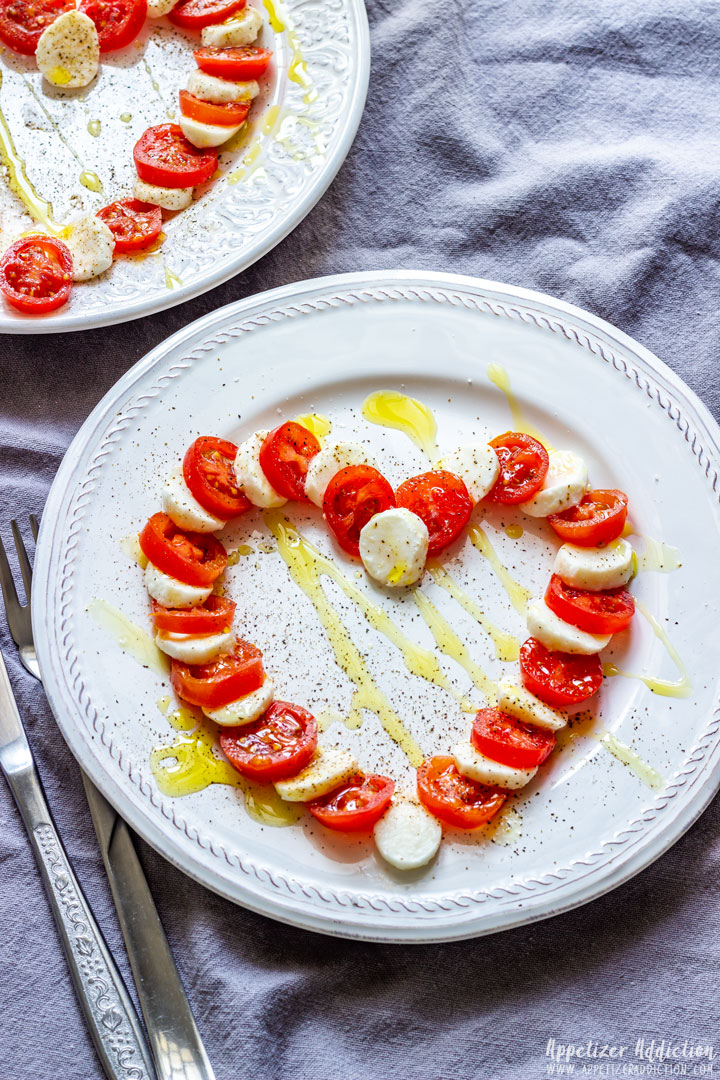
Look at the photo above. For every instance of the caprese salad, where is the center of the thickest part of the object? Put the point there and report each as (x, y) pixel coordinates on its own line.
(392, 532)
(37, 271)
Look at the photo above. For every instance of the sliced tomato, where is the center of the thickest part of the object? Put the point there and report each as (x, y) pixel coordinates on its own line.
(356, 805)
(276, 746)
(597, 519)
(524, 464)
(509, 741)
(194, 14)
(441, 500)
(208, 469)
(134, 224)
(453, 798)
(285, 456)
(36, 274)
(238, 63)
(23, 21)
(194, 558)
(164, 157)
(207, 112)
(559, 678)
(118, 22)
(354, 495)
(606, 612)
(212, 617)
(214, 685)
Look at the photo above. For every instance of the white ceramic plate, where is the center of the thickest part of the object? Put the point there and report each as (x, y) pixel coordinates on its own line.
(588, 822)
(298, 135)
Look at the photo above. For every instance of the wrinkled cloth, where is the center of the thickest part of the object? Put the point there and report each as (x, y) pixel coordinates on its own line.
(570, 146)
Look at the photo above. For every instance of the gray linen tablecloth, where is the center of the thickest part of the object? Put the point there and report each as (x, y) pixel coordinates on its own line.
(566, 145)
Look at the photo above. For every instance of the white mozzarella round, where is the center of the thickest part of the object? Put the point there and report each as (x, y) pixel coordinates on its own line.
(195, 648)
(407, 836)
(329, 768)
(180, 504)
(68, 50)
(250, 476)
(157, 8)
(91, 244)
(330, 461)
(518, 702)
(393, 547)
(471, 763)
(172, 593)
(245, 709)
(563, 487)
(168, 198)
(595, 569)
(241, 29)
(220, 91)
(477, 465)
(200, 134)
(558, 635)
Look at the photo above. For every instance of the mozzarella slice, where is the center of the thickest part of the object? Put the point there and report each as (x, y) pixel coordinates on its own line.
(195, 648)
(172, 593)
(157, 8)
(407, 836)
(180, 504)
(91, 245)
(329, 461)
(393, 547)
(564, 485)
(477, 465)
(245, 709)
(250, 476)
(220, 91)
(558, 635)
(241, 29)
(595, 568)
(471, 763)
(327, 770)
(168, 198)
(68, 50)
(518, 702)
(207, 134)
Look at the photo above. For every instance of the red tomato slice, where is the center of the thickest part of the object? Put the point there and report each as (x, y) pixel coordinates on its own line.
(118, 22)
(36, 274)
(194, 14)
(509, 741)
(597, 519)
(453, 798)
(356, 805)
(195, 558)
(134, 224)
(353, 496)
(212, 617)
(523, 467)
(285, 456)
(22, 22)
(278, 745)
(230, 677)
(239, 63)
(559, 678)
(606, 612)
(207, 112)
(208, 469)
(441, 500)
(164, 157)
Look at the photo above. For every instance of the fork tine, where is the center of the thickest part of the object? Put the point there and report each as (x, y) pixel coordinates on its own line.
(12, 604)
(25, 567)
(34, 526)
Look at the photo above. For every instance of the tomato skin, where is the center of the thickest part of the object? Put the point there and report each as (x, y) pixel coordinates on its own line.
(511, 742)
(559, 678)
(238, 63)
(194, 558)
(212, 617)
(355, 806)
(36, 274)
(118, 22)
(221, 682)
(355, 495)
(441, 500)
(598, 519)
(524, 464)
(279, 744)
(194, 14)
(285, 456)
(607, 612)
(454, 799)
(134, 224)
(207, 112)
(209, 473)
(22, 23)
(164, 157)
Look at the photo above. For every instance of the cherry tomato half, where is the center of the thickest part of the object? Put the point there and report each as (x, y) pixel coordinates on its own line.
(228, 114)
(134, 224)
(509, 741)
(356, 805)
(118, 22)
(597, 519)
(22, 23)
(606, 612)
(441, 500)
(274, 747)
(559, 678)
(212, 617)
(239, 63)
(194, 14)
(285, 456)
(354, 495)
(453, 798)
(36, 274)
(208, 469)
(164, 157)
(195, 558)
(524, 464)
(214, 685)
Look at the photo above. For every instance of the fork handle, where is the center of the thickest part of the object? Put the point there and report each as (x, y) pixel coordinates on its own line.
(109, 1012)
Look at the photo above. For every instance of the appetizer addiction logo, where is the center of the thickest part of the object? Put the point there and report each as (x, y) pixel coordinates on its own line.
(647, 1057)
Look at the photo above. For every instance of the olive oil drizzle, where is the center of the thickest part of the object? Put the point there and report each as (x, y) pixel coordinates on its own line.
(680, 688)
(131, 638)
(390, 408)
(634, 762)
(518, 595)
(499, 377)
(450, 644)
(507, 647)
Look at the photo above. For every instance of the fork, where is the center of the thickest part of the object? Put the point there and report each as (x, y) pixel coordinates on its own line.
(176, 1045)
